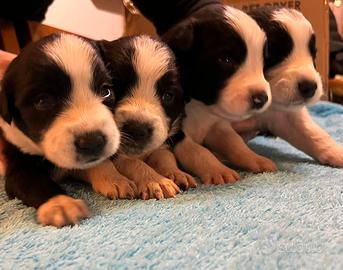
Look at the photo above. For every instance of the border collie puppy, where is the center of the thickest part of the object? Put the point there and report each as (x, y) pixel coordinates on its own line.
(148, 113)
(56, 102)
(294, 82)
(220, 57)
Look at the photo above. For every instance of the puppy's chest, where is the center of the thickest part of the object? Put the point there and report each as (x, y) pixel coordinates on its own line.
(57, 174)
(199, 119)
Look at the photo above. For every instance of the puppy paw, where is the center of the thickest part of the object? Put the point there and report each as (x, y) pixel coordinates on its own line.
(158, 189)
(181, 179)
(115, 188)
(333, 158)
(260, 164)
(62, 210)
(220, 176)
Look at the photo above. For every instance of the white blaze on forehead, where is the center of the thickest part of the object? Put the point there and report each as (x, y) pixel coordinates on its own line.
(253, 36)
(76, 57)
(299, 28)
(151, 61)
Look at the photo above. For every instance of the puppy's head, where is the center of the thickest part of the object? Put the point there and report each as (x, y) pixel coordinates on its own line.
(55, 101)
(289, 64)
(220, 53)
(150, 99)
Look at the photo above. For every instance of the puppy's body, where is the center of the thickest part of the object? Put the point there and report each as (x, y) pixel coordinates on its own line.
(148, 112)
(56, 119)
(294, 83)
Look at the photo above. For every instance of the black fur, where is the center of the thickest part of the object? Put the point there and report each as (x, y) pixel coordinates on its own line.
(175, 139)
(204, 66)
(312, 45)
(170, 93)
(117, 56)
(280, 43)
(28, 177)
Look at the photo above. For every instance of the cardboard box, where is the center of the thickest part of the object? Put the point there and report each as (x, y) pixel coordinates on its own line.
(316, 11)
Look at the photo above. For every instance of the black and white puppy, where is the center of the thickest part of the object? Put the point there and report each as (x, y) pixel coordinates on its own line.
(219, 50)
(295, 83)
(149, 110)
(56, 117)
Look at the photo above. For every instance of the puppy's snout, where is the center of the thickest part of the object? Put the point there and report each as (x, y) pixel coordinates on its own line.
(259, 99)
(140, 132)
(307, 88)
(90, 143)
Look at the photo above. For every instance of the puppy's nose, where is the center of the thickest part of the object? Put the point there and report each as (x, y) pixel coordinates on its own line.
(259, 99)
(140, 132)
(90, 143)
(307, 88)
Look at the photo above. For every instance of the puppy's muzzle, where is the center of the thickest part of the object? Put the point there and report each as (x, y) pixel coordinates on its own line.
(90, 145)
(139, 132)
(307, 88)
(258, 99)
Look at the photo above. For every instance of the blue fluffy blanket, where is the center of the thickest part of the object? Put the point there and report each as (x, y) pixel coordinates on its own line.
(289, 220)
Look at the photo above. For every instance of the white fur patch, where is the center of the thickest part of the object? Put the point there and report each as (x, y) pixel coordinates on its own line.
(19, 139)
(235, 99)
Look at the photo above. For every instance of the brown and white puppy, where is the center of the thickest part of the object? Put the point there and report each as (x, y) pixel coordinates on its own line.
(295, 83)
(56, 118)
(148, 112)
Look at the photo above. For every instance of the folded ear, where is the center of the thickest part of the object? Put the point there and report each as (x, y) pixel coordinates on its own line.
(5, 106)
(101, 46)
(181, 37)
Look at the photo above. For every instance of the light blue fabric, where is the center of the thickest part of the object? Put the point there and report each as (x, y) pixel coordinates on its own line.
(292, 219)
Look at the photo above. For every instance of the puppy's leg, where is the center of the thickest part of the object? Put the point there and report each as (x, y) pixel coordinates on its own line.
(224, 140)
(164, 162)
(149, 183)
(301, 131)
(28, 178)
(201, 162)
(106, 180)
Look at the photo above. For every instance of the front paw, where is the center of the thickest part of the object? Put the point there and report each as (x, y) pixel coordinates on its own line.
(220, 176)
(332, 158)
(62, 210)
(260, 164)
(181, 179)
(158, 189)
(115, 188)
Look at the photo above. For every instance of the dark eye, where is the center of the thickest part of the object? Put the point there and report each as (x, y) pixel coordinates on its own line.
(265, 51)
(44, 102)
(312, 46)
(106, 92)
(168, 97)
(225, 60)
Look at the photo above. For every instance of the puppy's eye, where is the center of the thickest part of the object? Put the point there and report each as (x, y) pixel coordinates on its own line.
(44, 102)
(168, 97)
(225, 60)
(106, 92)
(312, 46)
(265, 51)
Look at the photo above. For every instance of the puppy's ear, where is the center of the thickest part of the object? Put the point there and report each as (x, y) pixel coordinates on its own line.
(103, 49)
(181, 37)
(5, 106)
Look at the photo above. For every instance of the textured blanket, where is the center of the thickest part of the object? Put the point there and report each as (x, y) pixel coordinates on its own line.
(288, 220)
